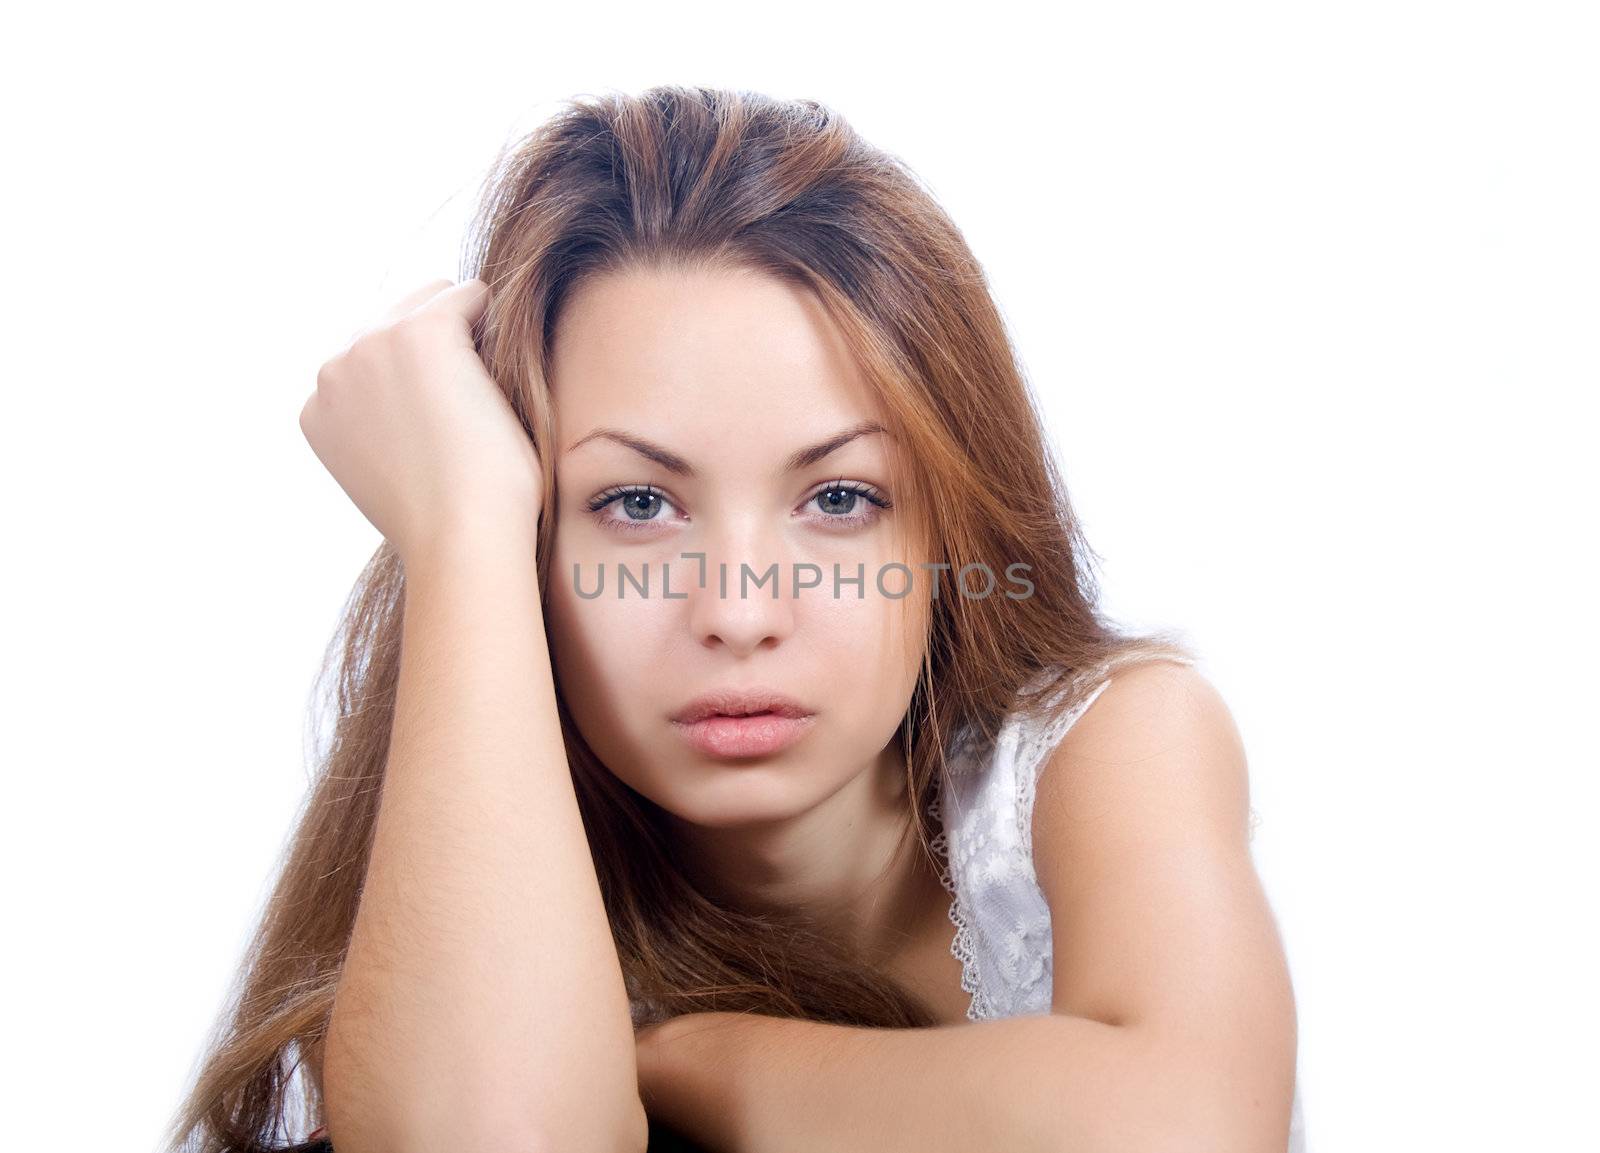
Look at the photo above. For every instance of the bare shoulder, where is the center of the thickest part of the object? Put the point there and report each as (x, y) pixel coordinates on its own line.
(1141, 848)
(1161, 737)
(1159, 921)
(1145, 708)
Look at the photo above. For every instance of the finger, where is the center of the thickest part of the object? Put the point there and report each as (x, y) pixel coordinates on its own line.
(402, 308)
(467, 300)
(414, 300)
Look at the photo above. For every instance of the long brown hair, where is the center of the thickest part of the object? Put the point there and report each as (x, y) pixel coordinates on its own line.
(695, 177)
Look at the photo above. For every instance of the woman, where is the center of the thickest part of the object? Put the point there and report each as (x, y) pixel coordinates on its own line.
(732, 641)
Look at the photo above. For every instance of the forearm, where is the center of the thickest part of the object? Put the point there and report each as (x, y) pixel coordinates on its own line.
(1052, 1083)
(482, 1001)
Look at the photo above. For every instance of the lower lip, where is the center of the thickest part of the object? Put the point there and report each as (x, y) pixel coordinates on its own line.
(756, 736)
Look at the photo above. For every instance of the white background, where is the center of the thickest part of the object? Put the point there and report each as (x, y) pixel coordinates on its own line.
(1311, 296)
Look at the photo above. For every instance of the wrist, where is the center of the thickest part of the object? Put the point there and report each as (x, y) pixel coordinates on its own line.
(473, 535)
(691, 1075)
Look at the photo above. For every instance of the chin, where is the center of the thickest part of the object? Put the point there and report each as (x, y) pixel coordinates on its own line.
(727, 796)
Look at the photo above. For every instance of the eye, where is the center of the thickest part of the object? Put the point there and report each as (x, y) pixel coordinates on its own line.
(841, 504)
(638, 504)
(849, 503)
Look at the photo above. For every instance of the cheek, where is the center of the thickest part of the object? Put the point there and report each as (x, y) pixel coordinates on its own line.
(873, 647)
(601, 640)
(881, 622)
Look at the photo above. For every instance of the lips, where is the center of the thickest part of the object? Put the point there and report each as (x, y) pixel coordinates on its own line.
(753, 736)
(741, 703)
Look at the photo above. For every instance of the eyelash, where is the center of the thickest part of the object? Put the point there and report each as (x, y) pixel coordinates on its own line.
(873, 496)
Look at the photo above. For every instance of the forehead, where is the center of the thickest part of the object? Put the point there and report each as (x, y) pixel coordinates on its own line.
(677, 347)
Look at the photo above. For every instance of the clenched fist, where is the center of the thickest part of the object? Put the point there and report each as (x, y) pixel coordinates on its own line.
(416, 431)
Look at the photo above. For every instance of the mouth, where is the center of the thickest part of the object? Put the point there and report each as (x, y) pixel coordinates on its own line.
(742, 723)
(742, 703)
(727, 737)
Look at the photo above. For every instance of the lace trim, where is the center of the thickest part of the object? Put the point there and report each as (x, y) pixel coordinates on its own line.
(1034, 745)
(1031, 748)
(961, 944)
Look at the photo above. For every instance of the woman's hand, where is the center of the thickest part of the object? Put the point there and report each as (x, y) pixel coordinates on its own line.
(414, 428)
(689, 1076)
(647, 1047)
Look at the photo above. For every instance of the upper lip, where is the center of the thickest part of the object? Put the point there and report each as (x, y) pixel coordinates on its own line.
(739, 703)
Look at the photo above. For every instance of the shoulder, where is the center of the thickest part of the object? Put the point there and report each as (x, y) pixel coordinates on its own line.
(1141, 849)
(1157, 746)
(1145, 707)
(1159, 921)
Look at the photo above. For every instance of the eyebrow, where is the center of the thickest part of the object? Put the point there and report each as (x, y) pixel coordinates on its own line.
(675, 464)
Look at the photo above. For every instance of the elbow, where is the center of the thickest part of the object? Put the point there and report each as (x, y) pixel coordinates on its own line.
(593, 1132)
(1235, 1131)
(1232, 1091)
(1165, 1100)
(1232, 1134)
(482, 1130)
(1209, 1111)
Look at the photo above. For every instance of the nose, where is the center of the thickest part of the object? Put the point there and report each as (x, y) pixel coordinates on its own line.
(746, 600)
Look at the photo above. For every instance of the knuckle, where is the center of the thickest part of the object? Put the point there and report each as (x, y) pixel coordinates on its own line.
(329, 373)
(426, 324)
(414, 336)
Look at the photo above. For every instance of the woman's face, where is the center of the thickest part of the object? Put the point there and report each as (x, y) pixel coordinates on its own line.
(725, 379)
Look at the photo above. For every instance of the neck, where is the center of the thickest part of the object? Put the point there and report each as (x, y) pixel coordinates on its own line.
(850, 861)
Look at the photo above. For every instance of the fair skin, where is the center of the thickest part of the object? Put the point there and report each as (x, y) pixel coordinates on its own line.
(1172, 1019)
(1172, 1022)
(733, 373)
(479, 848)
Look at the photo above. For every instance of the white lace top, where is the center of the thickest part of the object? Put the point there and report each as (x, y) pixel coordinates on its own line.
(1003, 936)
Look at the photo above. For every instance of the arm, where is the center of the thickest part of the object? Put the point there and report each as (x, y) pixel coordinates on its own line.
(1172, 1024)
(482, 1002)
(741, 1083)
(1160, 922)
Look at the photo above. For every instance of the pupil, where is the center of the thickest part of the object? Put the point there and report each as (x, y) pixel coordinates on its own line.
(839, 500)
